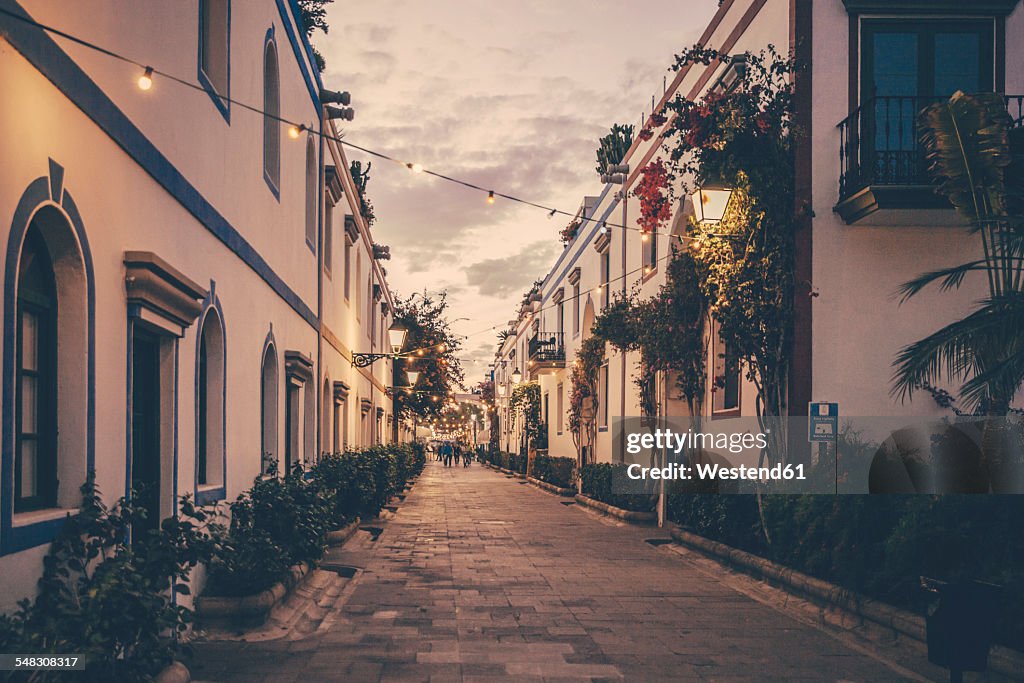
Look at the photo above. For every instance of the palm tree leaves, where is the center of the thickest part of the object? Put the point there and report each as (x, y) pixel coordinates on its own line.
(986, 348)
(967, 141)
(967, 148)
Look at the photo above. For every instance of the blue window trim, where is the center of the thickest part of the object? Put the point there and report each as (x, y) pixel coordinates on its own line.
(42, 52)
(223, 106)
(316, 184)
(46, 190)
(302, 50)
(268, 40)
(211, 494)
(269, 346)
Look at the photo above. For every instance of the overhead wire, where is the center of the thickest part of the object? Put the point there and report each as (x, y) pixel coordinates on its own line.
(149, 71)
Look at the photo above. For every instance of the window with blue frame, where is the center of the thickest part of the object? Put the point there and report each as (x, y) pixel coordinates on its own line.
(215, 50)
(271, 117)
(907, 65)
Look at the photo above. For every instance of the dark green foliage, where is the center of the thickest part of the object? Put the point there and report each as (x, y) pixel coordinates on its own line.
(607, 482)
(361, 177)
(314, 16)
(281, 522)
(877, 545)
(433, 351)
(557, 471)
(277, 523)
(108, 600)
(525, 402)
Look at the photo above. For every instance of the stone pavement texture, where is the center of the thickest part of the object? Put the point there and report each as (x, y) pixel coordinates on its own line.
(479, 577)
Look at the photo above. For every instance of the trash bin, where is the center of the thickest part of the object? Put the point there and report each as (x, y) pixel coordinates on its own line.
(960, 624)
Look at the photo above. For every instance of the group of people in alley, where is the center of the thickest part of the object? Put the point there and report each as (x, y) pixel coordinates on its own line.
(447, 451)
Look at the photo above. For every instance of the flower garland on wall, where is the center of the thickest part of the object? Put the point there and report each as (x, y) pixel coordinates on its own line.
(569, 232)
(525, 403)
(744, 137)
(584, 390)
(655, 196)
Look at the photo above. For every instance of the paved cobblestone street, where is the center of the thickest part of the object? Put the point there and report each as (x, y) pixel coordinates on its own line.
(480, 577)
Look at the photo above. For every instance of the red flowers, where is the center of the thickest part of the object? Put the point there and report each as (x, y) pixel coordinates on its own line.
(655, 202)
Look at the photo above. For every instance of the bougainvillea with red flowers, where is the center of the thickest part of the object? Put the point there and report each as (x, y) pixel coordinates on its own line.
(655, 196)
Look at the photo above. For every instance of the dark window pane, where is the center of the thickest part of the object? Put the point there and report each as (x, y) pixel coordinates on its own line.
(896, 64)
(957, 63)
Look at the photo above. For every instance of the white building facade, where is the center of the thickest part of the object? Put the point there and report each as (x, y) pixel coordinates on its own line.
(185, 280)
(870, 217)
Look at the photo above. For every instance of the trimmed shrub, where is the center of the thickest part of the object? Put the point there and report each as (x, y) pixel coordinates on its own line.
(108, 599)
(608, 483)
(878, 545)
(558, 471)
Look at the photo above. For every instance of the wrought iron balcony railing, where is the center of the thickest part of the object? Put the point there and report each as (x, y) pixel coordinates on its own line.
(879, 143)
(547, 347)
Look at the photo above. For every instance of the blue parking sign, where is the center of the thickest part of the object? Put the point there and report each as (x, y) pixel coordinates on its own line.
(822, 422)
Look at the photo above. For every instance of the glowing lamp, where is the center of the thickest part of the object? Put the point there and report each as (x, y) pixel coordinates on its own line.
(710, 201)
(396, 335)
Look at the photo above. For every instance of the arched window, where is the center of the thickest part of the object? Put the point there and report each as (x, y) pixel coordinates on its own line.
(210, 397)
(268, 410)
(326, 412)
(35, 464)
(272, 111)
(311, 185)
(309, 423)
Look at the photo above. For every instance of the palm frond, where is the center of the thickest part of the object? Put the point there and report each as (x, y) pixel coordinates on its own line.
(983, 349)
(966, 146)
(949, 278)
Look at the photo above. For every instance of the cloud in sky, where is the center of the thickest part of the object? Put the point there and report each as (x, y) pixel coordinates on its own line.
(508, 96)
(502, 277)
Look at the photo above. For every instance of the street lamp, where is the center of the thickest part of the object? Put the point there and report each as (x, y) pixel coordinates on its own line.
(517, 376)
(501, 390)
(413, 376)
(711, 200)
(396, 336)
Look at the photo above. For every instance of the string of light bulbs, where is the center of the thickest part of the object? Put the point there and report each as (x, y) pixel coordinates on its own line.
(146, 80)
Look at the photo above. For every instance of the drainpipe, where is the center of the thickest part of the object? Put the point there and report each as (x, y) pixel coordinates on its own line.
(622, 354)
(318, 391)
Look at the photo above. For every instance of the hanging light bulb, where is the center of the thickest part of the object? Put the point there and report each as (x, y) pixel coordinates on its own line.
(295, 131)
(604, 228)
(146, 79)
(490, 197)
(643, 237)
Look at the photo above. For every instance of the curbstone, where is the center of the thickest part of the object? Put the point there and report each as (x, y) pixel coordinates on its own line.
(248, 610)
(630, 516)
(547, 486)
(854, 608)
(339, 536)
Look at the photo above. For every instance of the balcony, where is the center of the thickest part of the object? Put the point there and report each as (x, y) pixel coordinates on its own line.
(546, 353)
(881, 162)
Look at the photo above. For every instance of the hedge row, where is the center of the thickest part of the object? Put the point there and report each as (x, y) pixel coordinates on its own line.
(104, 589)
(879, 545)
(508, 461)
(608, 483)
(280, 522)
(558, 471)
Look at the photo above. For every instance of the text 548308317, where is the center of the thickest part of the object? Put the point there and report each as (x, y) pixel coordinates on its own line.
(42, 662)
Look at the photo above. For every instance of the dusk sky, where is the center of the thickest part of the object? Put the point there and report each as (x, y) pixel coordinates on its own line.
(508, 96)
